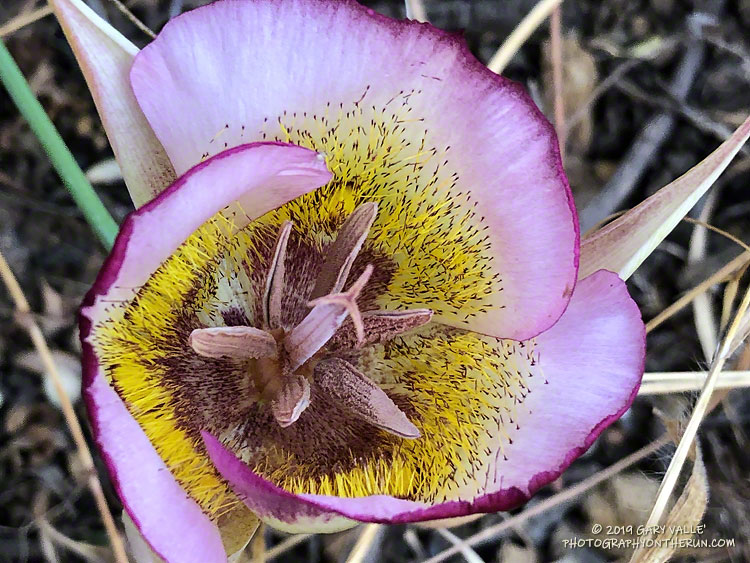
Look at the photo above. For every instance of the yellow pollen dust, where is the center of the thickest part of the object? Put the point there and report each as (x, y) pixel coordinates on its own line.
(464, 388)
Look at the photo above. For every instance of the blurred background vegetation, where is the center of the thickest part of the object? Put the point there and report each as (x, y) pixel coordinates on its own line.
(649, 89)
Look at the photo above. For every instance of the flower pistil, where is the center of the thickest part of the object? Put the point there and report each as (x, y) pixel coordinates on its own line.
(281, 361)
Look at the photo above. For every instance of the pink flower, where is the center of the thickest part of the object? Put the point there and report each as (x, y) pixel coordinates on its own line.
(359, 299)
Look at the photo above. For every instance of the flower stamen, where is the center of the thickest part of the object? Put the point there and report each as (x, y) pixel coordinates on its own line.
(320, 324)
(283, 361)
(275, 280)
(379, 327)
(363, 398)
(344, 250)
(238, 342)
(291, 399)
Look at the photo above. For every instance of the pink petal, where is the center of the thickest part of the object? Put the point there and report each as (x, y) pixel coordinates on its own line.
(262, 176)
(170, 521)
(105, 57)
(264, 498)
(235, 67)
(593, 361)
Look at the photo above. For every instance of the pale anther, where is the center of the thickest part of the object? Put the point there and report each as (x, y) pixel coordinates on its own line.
(238, 342)
(380, 327)
(363, 398)
(348, 300)
(291, 400)
(322, 322)
(344, 249)
(275, 281)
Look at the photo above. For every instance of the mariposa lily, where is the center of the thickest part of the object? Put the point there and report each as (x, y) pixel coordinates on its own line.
(357, 300)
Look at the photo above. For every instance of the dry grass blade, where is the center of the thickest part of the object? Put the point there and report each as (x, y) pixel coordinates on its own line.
(131, 16)
(258, 545)
(26, 319)
(555, 500)
(701, 406)
(286, 545)
(415, 10)
(657, 383)
(469, 554)
(520, 34)
(686, 514)
(727, 302)
(555, 30)
(364, 543)
(703, 313)
(719, 231)
(719, 276)
(22, 20)
(622, 245)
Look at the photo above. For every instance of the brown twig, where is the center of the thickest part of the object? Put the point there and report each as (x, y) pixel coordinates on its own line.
(700, 119)
(556, 55)
(717, 277)
(134, 20)
(646, 145)
(26, 320)
(520, 34)
(22, 20)
(555, 500)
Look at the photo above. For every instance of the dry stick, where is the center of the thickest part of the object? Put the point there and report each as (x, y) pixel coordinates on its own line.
(555, 500)
(697, 117)
(132, 17)
(703, 311)
(603, 86)
(717, 277)
(701, 406)
(661, 382)
(556, 54)
(26, 319)
(23, 20)
(364, 541)
(286, 545)
(645, 146)
(520, 34)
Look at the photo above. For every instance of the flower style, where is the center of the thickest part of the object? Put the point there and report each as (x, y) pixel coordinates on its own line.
(359, 299)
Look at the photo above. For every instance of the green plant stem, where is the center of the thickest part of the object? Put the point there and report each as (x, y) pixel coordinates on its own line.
(71, 174)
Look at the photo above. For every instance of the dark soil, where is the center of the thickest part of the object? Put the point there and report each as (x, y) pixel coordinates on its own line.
(55, 256)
